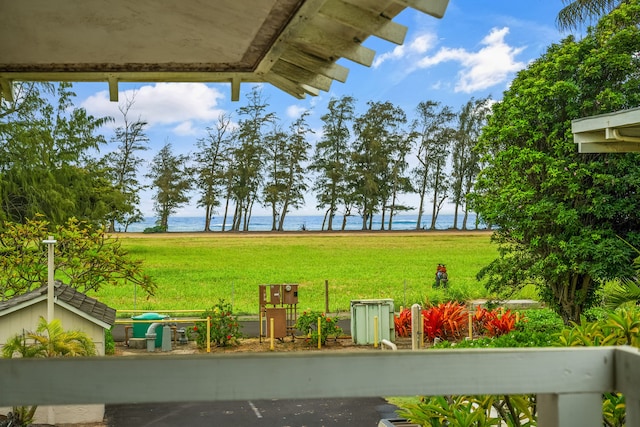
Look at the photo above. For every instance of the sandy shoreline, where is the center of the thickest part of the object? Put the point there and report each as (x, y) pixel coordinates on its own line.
(250, 234)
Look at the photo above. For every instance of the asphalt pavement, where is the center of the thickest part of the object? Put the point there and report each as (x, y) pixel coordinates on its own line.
(262, 413)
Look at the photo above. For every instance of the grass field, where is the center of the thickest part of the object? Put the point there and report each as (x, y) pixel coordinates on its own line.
(194, 271)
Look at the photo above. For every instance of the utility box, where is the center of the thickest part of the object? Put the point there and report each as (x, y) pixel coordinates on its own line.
(278, 301)
(289, 293)
(140, 328)
(363, 318)
(279, 316)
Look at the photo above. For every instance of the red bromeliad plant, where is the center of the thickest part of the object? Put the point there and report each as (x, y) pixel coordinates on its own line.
(450, 320)
(495, 323)
(402, 323)
(500, 322)
(445, 320)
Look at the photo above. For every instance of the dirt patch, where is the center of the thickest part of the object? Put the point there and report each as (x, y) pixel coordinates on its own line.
(256, 345)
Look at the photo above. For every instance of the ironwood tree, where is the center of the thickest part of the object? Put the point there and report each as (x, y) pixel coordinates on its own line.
(434, 131)
(465, 160)
(247, 162)
(171, 181)
(211, 164)
(286, 155)
(123, 167)
(331, 160)
(376, 133)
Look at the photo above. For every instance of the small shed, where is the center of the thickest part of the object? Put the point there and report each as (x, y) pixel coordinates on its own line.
(76, 311)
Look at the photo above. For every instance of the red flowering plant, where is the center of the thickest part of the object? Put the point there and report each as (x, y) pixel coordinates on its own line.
(225, 328)
(307, 324)
(445, 320)
(402, 323)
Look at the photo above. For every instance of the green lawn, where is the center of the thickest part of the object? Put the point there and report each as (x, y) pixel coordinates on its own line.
(194, 272)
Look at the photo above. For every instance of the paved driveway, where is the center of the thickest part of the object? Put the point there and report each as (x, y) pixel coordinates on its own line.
(266, 413)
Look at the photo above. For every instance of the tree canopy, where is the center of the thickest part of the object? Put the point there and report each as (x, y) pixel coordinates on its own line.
(560, 215)
(85, 257)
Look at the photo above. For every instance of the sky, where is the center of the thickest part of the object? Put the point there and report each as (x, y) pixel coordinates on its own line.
(475, 50)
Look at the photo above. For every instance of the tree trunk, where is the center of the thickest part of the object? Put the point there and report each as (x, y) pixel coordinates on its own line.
(274, 217)
(226, 212)
(455, 216)
(324, 219)
(207, 218)
(571, 295)
(465, 218)
(423, 191)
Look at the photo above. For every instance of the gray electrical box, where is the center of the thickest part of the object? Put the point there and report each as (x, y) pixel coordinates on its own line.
(363, 317)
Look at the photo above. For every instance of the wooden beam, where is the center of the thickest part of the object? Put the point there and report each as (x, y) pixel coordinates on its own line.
(300, 75)
(435, 8)
(113, 87)
(312, 63)
(364, 20)
(308, 9)
(6, 90)
(617, 119)
(235, 88)
(608, 147)
(285, 85)
(316, 39)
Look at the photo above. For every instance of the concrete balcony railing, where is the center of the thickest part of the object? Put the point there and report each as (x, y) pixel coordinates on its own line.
(569, 382)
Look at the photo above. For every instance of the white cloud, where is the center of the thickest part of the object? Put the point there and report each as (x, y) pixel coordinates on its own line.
(485, 68)
(180, 104)
(490, 65)
(295, 111)
(418, 46)
(185, 129)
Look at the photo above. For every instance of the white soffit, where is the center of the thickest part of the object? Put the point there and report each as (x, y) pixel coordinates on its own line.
(291, 44)
(617, 132)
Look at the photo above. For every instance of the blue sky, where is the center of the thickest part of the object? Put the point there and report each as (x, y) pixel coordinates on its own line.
(474, 51)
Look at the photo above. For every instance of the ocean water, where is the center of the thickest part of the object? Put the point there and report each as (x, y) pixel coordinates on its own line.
(303, 222)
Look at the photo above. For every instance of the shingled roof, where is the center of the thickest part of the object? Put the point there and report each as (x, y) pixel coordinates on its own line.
(64, 295)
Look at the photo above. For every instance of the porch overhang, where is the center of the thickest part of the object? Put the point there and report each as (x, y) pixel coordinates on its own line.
(617, 132)
(292, 44)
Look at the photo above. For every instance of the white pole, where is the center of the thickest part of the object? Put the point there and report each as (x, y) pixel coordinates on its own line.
(50, 273)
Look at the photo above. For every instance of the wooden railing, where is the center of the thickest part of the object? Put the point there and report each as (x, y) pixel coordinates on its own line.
(569, 382)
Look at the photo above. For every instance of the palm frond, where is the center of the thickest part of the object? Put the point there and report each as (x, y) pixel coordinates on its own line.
(626, 291)
(578, 12)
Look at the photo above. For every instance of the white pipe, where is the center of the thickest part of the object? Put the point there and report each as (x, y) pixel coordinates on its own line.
(152, 328)
(615, 134)
(50, 276)
(389, 344)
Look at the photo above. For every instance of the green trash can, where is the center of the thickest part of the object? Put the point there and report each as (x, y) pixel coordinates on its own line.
(140, 329)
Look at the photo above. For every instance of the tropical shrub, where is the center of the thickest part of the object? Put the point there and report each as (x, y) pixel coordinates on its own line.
(86, 257)
(621, 327)
(49, 340)
(109, 343)
(307, 323)
(224, 327)
(477, 411)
